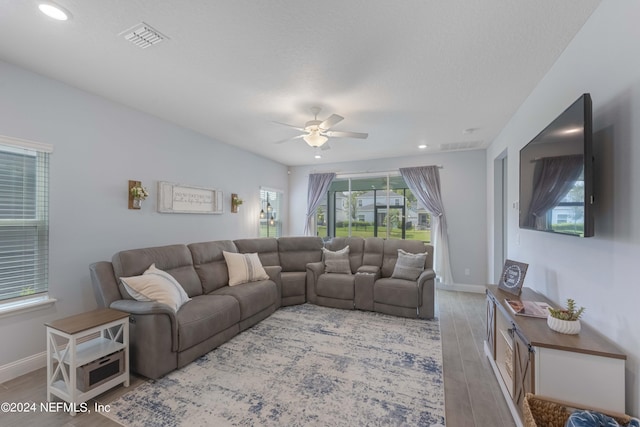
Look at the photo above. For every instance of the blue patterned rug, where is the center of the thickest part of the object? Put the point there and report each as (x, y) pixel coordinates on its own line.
(305, 365)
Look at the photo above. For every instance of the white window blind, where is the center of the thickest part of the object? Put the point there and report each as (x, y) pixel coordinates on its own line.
(24, 218)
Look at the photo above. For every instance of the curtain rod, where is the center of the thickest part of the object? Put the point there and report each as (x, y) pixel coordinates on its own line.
(372, 172)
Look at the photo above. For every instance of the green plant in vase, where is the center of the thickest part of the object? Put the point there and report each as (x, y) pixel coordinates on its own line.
(570, 313)
(139, 192)
(565, 320)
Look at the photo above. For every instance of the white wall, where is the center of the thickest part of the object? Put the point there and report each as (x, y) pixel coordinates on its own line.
(462, 180)
(598, 272)
(98, 147)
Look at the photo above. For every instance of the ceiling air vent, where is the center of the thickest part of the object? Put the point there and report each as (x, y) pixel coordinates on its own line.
(143, 35)
(457, 146)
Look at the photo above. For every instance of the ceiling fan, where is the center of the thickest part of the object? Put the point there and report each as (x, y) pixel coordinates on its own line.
(317, 132)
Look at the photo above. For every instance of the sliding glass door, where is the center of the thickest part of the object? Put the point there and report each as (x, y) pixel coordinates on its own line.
(372, 206)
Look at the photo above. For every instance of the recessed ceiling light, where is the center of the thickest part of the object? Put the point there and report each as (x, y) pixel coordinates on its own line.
(318, 156)
(54, 11)
(422, 146)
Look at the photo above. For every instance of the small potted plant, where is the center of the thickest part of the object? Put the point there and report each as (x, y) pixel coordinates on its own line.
(566, 321)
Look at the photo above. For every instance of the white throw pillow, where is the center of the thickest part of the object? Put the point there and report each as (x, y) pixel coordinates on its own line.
(337, 261)
(156, 285)
(409, 266)
(244, 268)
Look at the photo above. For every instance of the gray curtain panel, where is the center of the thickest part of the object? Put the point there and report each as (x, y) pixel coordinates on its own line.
(318, 187)
(555, 177)
(424, 183)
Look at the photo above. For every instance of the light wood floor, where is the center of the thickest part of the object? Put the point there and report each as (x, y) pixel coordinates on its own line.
(472, 394)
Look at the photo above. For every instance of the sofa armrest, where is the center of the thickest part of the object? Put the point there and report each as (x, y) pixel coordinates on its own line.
(274, 273)
(149, 308)
(316, 267)
(426, 294)
(314, 270)
(369, 269)
(132, 306)
(364, 282)
(426, 275)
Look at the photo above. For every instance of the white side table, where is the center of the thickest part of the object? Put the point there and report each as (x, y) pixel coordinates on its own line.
(87, 354)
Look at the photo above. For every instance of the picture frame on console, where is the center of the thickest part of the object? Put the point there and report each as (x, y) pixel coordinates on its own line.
(512, 277)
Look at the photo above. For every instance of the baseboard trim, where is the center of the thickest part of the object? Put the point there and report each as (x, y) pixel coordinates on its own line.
(461, 287)
(23, 366)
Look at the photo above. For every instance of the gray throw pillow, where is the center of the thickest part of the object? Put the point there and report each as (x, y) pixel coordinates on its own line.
(336, 262)
(409, 266)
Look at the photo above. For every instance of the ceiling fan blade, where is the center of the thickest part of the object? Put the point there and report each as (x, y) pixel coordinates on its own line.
(291, 126)
(325, 146)
(340, 134)
(332, 120)
(289, 139)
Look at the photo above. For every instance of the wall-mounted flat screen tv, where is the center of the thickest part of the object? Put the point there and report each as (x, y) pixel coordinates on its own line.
(556, 175)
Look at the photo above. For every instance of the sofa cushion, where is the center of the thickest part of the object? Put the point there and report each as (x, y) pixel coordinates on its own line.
(409, 266)
(373, 251)
(294, 283)
(390, 254)
(252, 297)
(174, 259)
(338, 286)
(156, 285)
(398, 292)
(244, 268)
(265, 247)
(296, 252)
(356, 249)
(336, 262)
(203, 317)
(210, 264)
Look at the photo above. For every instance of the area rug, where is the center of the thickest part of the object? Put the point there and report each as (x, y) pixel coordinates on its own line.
(305, 365)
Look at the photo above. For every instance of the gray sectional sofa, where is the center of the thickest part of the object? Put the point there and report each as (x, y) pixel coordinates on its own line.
(162, 340)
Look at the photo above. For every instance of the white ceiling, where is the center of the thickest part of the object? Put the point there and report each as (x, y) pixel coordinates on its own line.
(407, 72)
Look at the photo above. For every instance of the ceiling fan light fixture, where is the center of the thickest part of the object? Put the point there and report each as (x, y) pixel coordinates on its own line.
(54, 11)
(314, 139)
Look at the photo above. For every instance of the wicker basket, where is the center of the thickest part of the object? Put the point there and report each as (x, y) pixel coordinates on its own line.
(539, 411)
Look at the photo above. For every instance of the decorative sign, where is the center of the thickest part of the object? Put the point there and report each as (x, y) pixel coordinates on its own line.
(512, 277)
(178, 198)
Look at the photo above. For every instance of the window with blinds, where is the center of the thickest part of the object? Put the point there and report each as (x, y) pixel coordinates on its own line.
(24, 221)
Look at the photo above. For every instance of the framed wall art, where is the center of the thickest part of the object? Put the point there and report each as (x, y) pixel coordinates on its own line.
(179, 198)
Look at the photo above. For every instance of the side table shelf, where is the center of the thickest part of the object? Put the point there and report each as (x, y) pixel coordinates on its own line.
(98, 340)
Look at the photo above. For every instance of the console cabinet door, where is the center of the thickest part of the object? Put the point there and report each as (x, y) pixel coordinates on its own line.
(491, 326)
(523, 366)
